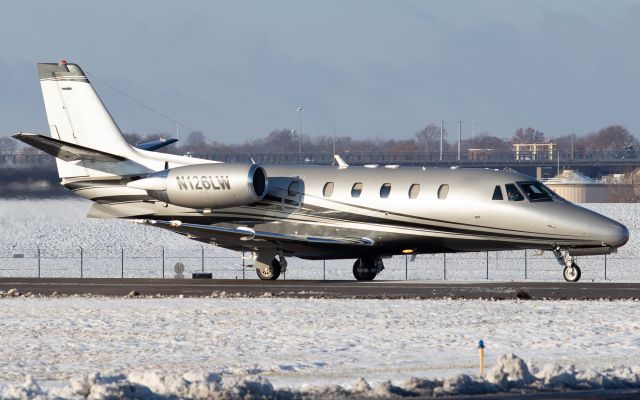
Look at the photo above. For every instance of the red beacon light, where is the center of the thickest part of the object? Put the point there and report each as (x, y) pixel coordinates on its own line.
(63, 62)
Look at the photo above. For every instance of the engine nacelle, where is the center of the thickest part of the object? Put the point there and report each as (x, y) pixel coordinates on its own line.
(204, 186)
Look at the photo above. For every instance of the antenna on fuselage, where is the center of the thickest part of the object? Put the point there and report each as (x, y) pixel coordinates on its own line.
(341, 163)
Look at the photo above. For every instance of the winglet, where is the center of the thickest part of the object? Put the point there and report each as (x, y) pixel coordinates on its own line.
(341, 163)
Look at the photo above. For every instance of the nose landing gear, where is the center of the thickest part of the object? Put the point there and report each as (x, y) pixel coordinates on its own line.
(571, 271)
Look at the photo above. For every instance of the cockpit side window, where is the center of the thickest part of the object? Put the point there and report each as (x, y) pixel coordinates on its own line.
(535, 191)
(513, 194)
(497, 193)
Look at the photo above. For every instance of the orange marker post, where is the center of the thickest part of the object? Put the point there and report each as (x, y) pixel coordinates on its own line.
(481, 355)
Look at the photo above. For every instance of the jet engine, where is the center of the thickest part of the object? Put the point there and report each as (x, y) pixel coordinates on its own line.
(205, 186)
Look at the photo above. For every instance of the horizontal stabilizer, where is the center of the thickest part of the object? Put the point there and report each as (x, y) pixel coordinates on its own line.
(156, 144)
(64, 150)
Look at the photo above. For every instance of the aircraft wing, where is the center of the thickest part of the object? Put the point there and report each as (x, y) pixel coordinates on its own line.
(64, 150)
(252, 238)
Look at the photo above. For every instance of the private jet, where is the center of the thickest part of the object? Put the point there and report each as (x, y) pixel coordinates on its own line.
(367, 213)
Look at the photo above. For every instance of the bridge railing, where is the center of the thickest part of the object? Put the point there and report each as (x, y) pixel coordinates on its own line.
(470, 158)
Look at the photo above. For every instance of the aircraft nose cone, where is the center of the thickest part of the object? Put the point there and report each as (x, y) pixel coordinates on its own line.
(617, 235)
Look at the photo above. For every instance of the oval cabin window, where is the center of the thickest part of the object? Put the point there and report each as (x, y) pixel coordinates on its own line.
(327, 190)
(356, 190)
(385, 189)
(443, 191)
(414, 191)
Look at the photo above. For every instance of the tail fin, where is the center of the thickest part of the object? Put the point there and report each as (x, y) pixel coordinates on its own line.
(77, 115)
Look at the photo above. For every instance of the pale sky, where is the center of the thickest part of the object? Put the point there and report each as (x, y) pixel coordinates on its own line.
(239, 69)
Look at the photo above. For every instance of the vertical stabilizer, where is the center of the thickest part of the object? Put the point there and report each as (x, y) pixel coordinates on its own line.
(77, 115)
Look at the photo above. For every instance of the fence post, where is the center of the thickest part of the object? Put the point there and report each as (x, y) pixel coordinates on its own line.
(444, 265)
(243, 266)
(121, 262)
(162, 261)
(324, 270)
(202, 257)
(525, 264)
(81, 260)
(406, 267)
(38, 260)
(487, 265)
(605, 267)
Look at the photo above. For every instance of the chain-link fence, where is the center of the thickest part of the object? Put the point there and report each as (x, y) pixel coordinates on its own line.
(166, 262)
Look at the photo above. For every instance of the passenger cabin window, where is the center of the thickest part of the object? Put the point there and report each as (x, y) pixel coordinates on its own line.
(443, 191)
(535, 191)
(385, 189)
(513, 194)
(294, 188)
(327, 190)
(497, 193)
(414, 191)
(356, 190)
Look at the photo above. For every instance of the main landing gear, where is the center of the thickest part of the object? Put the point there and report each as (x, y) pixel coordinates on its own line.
(571, 271)
(268, 268)
(366, 268)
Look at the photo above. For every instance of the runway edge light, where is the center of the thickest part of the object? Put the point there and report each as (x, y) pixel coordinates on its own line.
(481, 356)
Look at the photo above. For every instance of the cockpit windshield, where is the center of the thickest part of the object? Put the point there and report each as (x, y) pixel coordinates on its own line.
(536, 191)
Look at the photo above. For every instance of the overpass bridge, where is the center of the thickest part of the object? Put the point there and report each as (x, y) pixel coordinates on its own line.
(594, 164)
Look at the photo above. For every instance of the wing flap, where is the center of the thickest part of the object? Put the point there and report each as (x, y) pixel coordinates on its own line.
(64, 150)
(249, 236)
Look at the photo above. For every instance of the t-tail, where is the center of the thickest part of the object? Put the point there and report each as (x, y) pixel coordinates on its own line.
(84, 138)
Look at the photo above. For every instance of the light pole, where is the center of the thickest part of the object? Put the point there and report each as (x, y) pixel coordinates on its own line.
(300, 110)
(441, 137)
(459, 137)
(333, 159)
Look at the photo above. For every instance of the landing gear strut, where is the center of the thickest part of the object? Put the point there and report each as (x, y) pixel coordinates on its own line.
(366, 268)
(571, 271)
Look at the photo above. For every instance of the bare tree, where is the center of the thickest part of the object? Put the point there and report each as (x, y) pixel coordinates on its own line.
(429, 135)
(8, 145)
(626, 189)
(528, 135)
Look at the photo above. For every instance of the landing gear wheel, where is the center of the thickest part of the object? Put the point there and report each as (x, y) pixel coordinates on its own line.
(572, 273)
(365, 269)
(270, 273)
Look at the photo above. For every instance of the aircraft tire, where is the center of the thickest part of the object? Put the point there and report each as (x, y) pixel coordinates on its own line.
(364, 269)
(270, 274)
(572, 274)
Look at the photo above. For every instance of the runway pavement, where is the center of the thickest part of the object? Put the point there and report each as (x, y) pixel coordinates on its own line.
(325, 289)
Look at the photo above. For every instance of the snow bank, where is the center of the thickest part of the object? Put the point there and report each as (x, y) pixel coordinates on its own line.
(510, 373)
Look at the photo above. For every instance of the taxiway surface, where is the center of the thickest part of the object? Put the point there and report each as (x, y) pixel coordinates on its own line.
(327, 289)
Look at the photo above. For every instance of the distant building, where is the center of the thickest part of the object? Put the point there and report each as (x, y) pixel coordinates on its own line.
(480, 154)
(534, 151)
(579, 188)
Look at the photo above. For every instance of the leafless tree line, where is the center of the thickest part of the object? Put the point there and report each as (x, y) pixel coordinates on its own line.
(427, 139)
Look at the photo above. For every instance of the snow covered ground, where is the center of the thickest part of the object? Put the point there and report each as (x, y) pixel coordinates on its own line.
(295, 343)
(60, 229)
